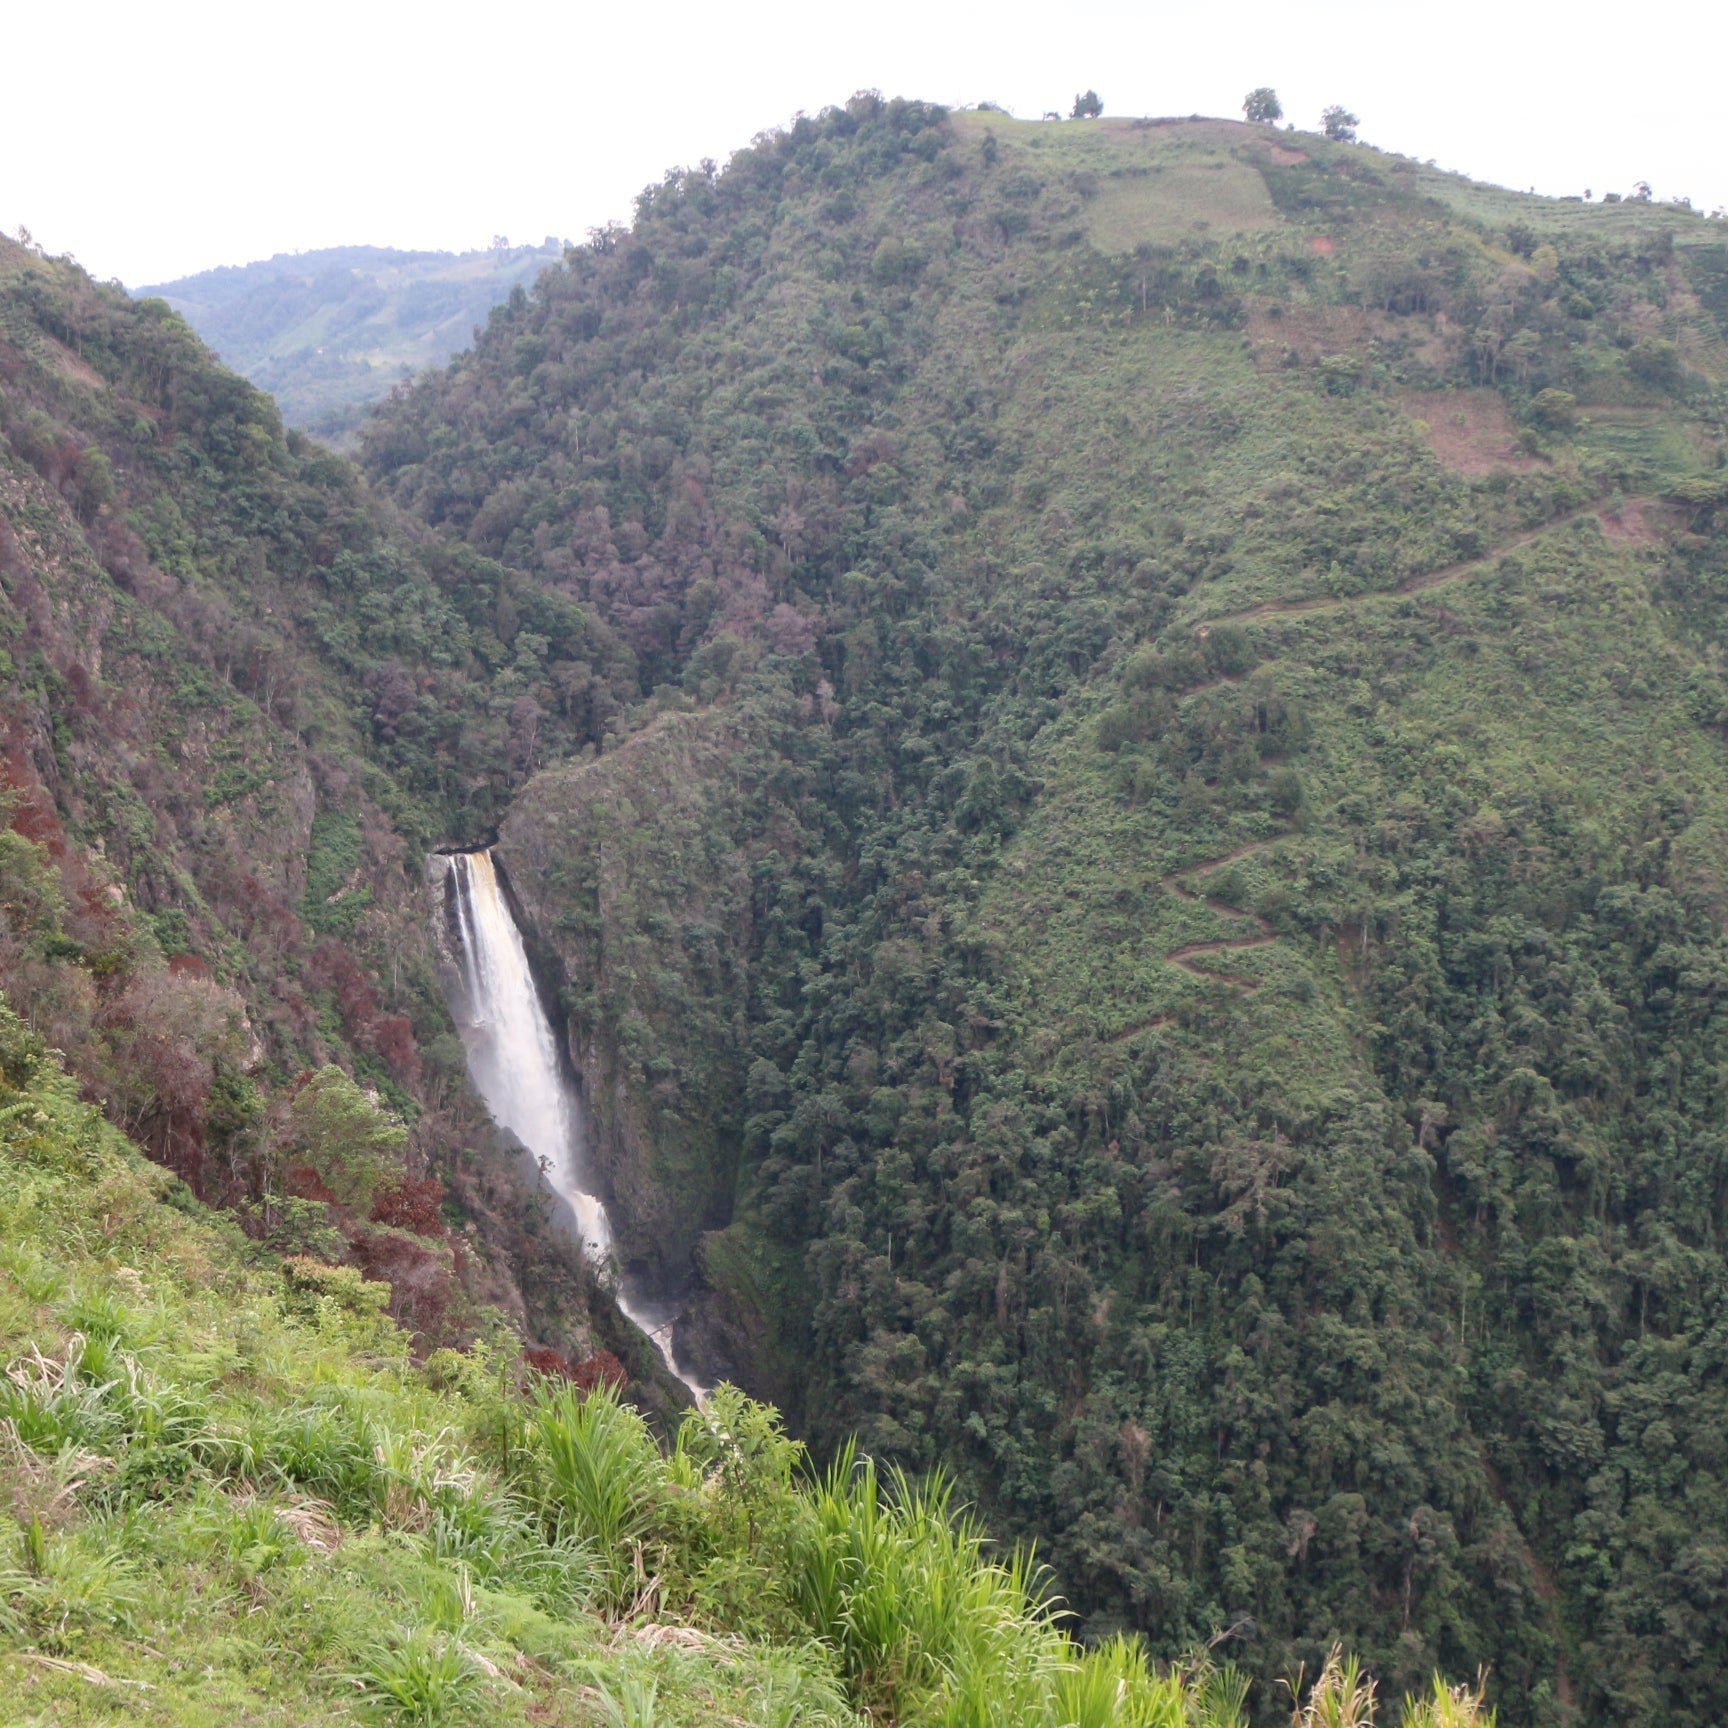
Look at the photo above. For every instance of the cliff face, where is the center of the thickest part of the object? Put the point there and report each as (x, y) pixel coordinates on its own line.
(652, 883)
(634, 872)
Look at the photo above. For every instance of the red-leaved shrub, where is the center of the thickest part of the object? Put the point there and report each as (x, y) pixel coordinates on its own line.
(411, 1205)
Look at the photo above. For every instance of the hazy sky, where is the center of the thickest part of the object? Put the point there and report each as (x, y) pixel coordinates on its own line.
(154, 139)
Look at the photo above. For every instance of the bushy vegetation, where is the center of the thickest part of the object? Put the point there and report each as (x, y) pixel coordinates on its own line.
(234, 1493)
(1136, 926)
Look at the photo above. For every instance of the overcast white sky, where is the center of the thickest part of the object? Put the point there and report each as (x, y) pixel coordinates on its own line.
(157, 137)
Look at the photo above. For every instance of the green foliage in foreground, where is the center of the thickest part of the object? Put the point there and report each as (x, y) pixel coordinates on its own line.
(227, 1497)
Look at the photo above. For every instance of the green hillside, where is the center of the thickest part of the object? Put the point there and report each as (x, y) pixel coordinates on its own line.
(1157, 934)
(212, 859)
(330, 332)
(236, 1494)
(1115, 737)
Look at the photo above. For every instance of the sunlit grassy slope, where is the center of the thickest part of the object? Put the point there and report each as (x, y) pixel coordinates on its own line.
(231, 1494)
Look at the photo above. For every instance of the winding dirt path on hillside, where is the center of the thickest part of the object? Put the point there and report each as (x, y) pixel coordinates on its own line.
(1263, 931)
(1211, 683)
(1429, 579)
(1184, 955)
(1140, 1026)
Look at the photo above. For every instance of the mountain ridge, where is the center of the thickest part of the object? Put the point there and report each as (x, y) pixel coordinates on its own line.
(905, 604)
(330, 331)
(1068, 483)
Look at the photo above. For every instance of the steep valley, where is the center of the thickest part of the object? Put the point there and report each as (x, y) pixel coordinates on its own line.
(1111, 741)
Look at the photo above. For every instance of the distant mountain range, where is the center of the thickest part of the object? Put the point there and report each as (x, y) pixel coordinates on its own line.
(328, 333)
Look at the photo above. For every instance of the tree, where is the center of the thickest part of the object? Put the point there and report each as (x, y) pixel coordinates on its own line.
(1087, 107)
(1701, 494)
(1262, 104)
(1555, 409)
(1656, 361)
(349, 1143)
(1339, 123)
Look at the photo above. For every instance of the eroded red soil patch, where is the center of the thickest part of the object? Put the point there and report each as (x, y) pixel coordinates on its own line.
(1469, 430)
(1633, 522)
(73, 365)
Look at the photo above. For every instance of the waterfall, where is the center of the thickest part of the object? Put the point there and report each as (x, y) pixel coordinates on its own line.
(517, 1067)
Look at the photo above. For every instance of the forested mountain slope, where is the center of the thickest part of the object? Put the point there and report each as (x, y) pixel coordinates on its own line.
(212, 858)
(239, 1496)
(1136, 845)
(329, 332)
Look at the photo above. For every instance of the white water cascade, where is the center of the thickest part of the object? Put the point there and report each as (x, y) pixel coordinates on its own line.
(515, 1064)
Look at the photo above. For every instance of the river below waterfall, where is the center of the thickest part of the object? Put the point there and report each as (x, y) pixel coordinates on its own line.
(518, 1067)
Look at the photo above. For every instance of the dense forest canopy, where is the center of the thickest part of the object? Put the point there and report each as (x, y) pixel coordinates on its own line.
(1114, 733)
(1170, 892)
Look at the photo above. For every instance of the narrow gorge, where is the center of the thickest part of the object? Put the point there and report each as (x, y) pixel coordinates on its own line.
(523, 1074)
(1040, 809)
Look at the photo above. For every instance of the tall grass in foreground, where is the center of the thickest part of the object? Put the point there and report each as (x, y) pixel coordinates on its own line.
(597, 1471)
(423, 1679)
(928, 1626)
(257, 1515)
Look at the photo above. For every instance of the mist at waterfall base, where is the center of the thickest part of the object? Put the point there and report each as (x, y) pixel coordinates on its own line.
(517, 1066)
